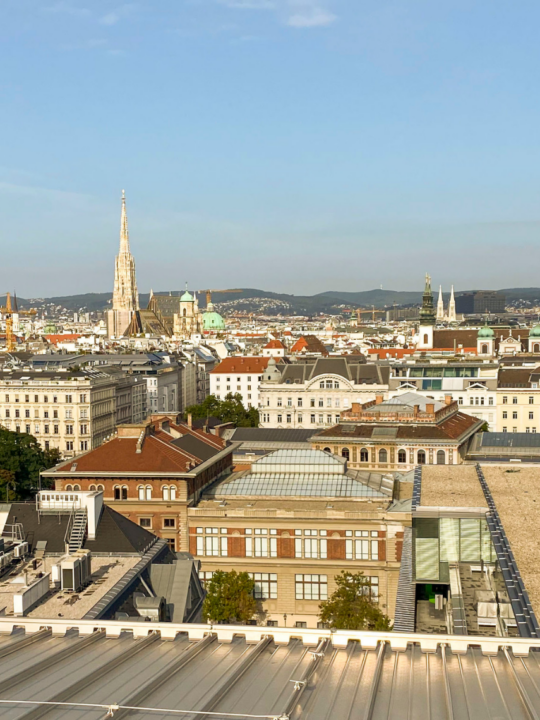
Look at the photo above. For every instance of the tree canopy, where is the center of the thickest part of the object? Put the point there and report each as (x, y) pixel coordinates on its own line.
(352, 605)
(231, 409)
(21, 459)
(229, 598)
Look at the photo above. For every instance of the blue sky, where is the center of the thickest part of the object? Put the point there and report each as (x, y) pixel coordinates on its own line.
(292, 145)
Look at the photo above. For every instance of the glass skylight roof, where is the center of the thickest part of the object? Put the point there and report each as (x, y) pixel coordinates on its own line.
(285, 462)
(297, 485)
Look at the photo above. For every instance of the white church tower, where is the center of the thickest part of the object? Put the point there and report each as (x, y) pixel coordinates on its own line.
(440, 306)
(452, 307)
(125, 296)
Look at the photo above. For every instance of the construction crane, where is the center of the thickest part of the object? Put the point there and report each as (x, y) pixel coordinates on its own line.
(371, 312)
(9, 311)
(209, 294)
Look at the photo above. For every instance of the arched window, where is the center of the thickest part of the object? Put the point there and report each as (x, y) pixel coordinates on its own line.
(100, 488)
(441, 457)
(383, 455)
(536, 347)
(484, 349)
(184, 312)
(92, 488)
(76, 488)
(425, 339)
(402, 456)
(148, 492)
(346, 453)
(124, 492)
(69, 488)
(364, 455)
(173, 492)
(140, 490)
(165, 492)
(327, 450)
(117, 493)
(421, 457)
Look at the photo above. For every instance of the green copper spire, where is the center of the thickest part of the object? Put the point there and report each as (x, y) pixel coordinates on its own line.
(427, 312)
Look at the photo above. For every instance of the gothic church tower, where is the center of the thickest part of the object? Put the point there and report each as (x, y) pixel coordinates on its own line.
(125, 295)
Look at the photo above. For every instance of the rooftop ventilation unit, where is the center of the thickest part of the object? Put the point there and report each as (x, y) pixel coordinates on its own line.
(21, 550)
(75, 571)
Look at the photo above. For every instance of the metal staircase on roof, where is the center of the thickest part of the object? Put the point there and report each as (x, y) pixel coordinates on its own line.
(78, 531)
(404, 617)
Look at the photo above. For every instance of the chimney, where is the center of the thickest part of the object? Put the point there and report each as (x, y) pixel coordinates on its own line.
(379, 399)
(430, 408)
(190, 420)
(416, 410)
(448, 400)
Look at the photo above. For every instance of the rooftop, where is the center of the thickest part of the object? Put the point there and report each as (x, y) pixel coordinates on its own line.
(106, 572)
(303, 473)
(261, 672)
(451, 486)
(241, 365)
(516, 492)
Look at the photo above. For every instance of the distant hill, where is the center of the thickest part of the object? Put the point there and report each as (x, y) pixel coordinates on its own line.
(325, 302)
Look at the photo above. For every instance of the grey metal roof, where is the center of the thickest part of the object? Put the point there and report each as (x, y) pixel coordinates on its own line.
(270, 435)
(511, 440)
(272, 673)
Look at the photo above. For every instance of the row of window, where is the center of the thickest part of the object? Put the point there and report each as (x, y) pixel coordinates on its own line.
(330, 419)
(68, 429)
(515, 400)
(46, 414)
(239, 379)
(213, 542)
(514, 429)
(383, 455)
(320, 402)
(515, 415)
(54, 398)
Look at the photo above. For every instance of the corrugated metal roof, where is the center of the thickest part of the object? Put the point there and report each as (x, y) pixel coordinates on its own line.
(271, 673)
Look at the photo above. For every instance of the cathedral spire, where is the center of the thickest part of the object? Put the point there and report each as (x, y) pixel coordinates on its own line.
(452, 307)
(427, 313)
(124, 233)
(125, 295)
(440, 305)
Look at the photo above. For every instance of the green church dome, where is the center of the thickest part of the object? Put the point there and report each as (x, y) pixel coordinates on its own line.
(186, 297)
(213, 320)
(486, 332)
(535, 332)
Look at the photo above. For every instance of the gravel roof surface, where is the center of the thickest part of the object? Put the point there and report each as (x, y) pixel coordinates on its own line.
(451, 486)
(516, 492)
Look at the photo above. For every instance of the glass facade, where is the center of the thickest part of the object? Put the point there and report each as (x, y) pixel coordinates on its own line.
(439, 541)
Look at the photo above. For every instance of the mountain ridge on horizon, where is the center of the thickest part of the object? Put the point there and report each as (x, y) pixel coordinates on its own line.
(301, 304)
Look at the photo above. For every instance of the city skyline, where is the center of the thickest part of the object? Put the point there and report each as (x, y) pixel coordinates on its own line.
(320, 144)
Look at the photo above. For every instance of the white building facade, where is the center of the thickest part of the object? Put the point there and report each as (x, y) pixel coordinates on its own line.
(239, 375)
(314, 394)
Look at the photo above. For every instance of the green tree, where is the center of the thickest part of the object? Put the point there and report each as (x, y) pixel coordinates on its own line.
(229, 410)
(229, 598)
(351, 606)
(21, 459)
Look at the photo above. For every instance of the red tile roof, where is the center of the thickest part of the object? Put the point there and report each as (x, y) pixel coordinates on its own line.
(55, 339)
(450, 429)
(274, 345)
(241, 365)
(119, 455)
(391, 352)
(309, 343)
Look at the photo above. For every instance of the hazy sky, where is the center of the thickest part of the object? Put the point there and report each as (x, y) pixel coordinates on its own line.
(292, 145)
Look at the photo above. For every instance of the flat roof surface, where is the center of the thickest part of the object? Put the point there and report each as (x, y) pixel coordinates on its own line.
(451, 486)
(274, 675)
(516, 492)
(106, 572)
